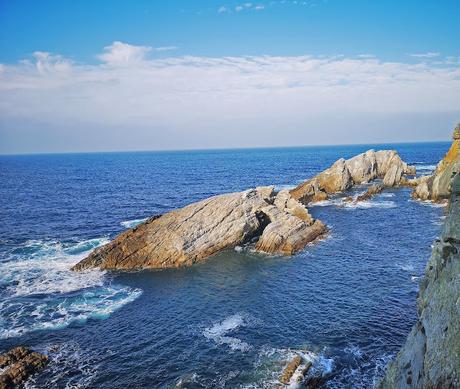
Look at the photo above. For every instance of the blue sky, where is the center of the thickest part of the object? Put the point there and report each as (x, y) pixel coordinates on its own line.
(389, 29)
(198, 74)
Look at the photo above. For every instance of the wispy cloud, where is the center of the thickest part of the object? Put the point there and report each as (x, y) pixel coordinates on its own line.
(241, 7)
(429, 54)
(131, 91)
(165, 48)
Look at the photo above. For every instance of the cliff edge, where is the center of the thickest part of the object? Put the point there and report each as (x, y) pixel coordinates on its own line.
(430, 357)
(437, 186)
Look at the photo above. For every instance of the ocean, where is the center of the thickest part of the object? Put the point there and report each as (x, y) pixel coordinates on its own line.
(229, 322)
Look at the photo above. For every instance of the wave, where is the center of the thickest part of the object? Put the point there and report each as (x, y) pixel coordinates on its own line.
(133, 223)
(271, 362)
(373, 203)
(430, 203)
(69, 364)
(425, 167)
(370, 204)
(38, 290)
(218, 332)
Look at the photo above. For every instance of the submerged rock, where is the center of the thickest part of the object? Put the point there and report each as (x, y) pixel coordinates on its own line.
(437, 187)
(19, 364)
(343, 174)
(430, 357)
(193, 233)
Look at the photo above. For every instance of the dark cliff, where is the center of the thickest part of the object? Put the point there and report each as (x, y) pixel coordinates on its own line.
(430, 357)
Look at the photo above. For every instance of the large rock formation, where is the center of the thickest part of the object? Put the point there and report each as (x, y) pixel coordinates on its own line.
(18, 364)
(431, 356)
(437, 186)
(343, 174)
(190, 234)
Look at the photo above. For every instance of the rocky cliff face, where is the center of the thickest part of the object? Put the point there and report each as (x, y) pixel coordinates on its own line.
(431, 356)
(437, 186)
(190, 234)
(343, 174)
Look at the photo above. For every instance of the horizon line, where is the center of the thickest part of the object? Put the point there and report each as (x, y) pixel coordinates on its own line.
(214, 148)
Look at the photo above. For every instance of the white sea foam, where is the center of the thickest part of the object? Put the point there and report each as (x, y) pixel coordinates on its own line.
(373, 203)
(386, 194)
(430, 203)
(219, 331)
(354, 350)
(370, 204)
(69, 365)
(132, 223)
(406, 266)
(425, 167)
(282, 187)
(40, 292)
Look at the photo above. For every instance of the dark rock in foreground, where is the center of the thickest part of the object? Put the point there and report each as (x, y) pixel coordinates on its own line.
(431, 356)
(19, 364)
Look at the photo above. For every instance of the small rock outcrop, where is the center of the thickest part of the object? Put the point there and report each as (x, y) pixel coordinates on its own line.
(370, 192)
(184, 236)
(19, 364)
(437, 186)
(290, 369)
(430, 357)
(343, 174)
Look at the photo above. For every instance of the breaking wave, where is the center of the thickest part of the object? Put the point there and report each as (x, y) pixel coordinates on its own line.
(132, 223)
(219, 332)
(356, 205)
(38, 290)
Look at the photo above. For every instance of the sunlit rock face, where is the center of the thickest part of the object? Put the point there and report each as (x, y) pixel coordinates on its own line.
(437, 187)
(184, 236)
(343, 174)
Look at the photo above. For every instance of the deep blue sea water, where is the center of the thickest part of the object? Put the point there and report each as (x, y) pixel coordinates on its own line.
(231, 321)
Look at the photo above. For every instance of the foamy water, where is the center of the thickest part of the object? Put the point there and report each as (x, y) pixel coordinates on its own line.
(40, 292)
(220, 332)
(132, 223)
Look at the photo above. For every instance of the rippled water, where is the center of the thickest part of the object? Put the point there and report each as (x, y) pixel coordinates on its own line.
(232, 321)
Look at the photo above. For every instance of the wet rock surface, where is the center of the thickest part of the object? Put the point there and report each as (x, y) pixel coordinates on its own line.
(18, 364)
(430, 357)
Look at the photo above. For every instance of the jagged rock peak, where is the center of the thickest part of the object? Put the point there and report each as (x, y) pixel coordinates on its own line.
(343, 174)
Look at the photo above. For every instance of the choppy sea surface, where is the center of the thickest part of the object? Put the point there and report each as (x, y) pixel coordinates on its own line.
(231, 321)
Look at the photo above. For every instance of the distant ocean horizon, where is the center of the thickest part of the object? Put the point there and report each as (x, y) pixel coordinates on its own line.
(230, 321)
(370, 145)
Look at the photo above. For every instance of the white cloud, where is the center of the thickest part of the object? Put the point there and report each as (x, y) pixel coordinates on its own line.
(429, 54)
(166, 48)
(222, 9)
(239, 8)
(122, 54)
(259, 7)
(205, 101)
